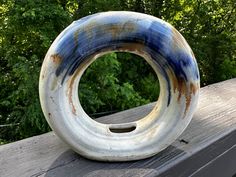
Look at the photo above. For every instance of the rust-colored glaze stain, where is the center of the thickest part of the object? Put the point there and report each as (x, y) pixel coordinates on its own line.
(178, 41)
(70, 96)
(173, 79)
(181, 86)
(56, 58)
(89, 29)
(71, 82)
(43, 71)
(70, 99)
(188, 101)
(134, 47)
(76, 36)
(130, 25)
(193, 88)
(115, 30)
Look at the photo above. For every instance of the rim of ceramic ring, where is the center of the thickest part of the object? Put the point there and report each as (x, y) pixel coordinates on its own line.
(82, 42)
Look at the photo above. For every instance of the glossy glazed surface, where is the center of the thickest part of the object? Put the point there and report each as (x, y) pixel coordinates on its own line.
(90, 37)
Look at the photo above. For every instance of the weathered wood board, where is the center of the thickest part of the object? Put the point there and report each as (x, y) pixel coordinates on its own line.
(208, 141)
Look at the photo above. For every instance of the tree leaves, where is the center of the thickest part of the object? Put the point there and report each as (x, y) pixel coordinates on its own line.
(116, 81)
(112, 83)
(27, 30)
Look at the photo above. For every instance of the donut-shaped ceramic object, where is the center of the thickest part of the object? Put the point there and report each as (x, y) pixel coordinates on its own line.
(160, 44)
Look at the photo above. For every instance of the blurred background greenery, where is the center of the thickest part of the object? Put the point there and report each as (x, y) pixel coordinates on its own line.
(28, 28)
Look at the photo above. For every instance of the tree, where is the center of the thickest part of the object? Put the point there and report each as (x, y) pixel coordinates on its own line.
(113, 83)
(28, 28)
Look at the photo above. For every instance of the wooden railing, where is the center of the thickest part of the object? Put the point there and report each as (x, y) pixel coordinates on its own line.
(206, 148)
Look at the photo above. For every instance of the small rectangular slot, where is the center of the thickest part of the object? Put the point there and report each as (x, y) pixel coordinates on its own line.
(122, 129)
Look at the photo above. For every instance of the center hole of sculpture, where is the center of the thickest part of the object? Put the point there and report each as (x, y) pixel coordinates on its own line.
(116, 82)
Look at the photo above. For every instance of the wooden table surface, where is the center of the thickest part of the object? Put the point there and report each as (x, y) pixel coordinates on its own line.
(206, 148)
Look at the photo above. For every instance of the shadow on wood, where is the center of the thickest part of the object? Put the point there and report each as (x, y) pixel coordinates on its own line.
(76, 165)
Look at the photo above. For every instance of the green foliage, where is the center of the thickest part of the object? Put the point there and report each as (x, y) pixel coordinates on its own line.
(112, 83)
(27, 30)
(116, 81)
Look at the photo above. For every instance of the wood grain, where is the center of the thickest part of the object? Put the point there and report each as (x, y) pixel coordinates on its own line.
(211, 132)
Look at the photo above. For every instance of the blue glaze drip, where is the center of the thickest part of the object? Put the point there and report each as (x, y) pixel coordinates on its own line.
(77, 45)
